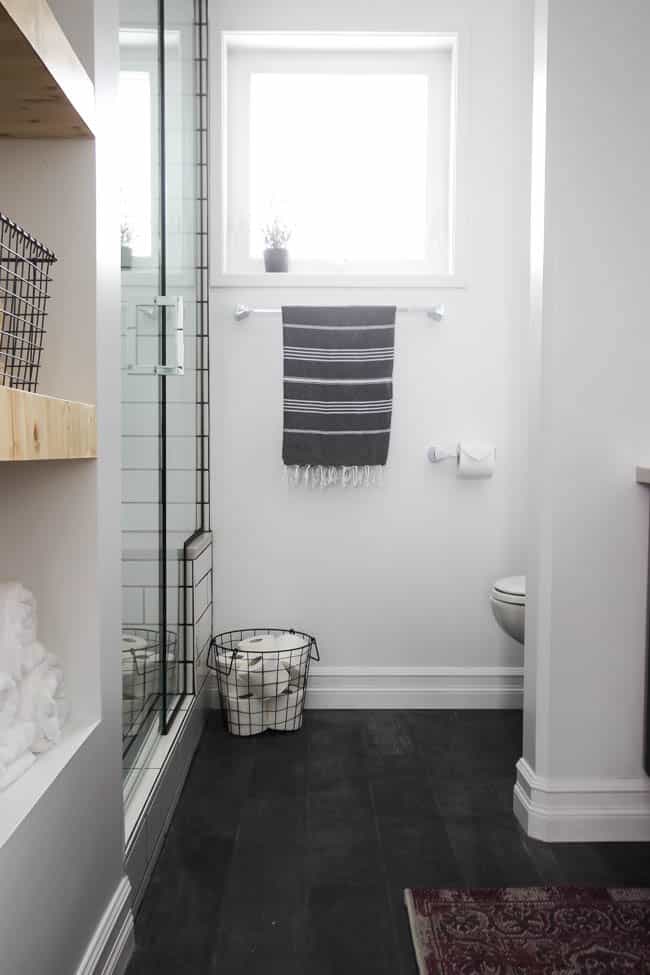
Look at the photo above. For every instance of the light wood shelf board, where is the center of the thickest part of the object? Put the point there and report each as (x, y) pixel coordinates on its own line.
(36, 427)
(44, 89)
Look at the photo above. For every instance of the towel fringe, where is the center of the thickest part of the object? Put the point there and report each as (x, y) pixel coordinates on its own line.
(319, 476)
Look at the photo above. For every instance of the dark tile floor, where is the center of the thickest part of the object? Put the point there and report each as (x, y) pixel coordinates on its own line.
(288, 854)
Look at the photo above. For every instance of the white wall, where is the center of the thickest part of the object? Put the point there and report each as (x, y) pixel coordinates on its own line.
(585, 651)
(398, 575)
(63, 864)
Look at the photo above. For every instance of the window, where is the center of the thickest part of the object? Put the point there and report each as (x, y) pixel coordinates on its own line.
(347, 139)
(135, 158)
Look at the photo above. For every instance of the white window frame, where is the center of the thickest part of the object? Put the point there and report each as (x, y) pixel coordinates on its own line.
(412, 45)
(142, 57)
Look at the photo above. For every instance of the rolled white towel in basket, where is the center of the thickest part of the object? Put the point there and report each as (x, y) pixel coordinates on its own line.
(43, 703)
(17, 627)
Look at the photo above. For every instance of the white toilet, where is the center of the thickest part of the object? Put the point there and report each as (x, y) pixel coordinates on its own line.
(508, 601)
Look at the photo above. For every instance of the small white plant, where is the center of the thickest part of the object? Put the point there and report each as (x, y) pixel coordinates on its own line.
(277, 234)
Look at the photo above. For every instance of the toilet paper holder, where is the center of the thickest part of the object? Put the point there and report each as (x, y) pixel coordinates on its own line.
(436, 454)
(474, 459)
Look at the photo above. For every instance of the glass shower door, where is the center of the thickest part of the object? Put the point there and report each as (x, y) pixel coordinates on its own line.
(159, 412)
(180, 515)
(143, 479)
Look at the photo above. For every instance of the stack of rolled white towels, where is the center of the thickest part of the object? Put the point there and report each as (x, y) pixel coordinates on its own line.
(33, 709)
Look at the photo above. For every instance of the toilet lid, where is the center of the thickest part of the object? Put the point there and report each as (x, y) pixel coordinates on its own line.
(511, 589)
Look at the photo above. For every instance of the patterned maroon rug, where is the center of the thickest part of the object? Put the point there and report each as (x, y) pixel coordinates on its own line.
(531, 931)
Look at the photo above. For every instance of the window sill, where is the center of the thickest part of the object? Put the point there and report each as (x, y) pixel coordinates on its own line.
(329, 280)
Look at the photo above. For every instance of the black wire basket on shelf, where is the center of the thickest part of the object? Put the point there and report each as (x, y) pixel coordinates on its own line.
(262, 675)
(25, 266)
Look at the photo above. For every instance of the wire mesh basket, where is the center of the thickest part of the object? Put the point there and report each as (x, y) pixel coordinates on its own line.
(262, 676)
(24, 278)
(141, 659)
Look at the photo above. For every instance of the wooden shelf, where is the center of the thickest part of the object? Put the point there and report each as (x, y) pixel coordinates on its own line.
(44, 89)
(35, 427)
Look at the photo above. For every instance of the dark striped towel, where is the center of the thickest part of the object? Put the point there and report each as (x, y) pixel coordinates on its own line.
(338, 389)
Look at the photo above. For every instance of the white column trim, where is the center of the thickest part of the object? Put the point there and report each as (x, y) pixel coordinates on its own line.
(582, 810)
(111, 946)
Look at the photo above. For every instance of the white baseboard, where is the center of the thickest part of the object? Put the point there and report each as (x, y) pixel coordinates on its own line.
(111, 946)
(582, 810)
(415, 687)
(407, 688)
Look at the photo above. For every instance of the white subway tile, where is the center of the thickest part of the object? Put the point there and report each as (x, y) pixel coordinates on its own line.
(181, 419)
(140, 453)
(181, 486)
(140, 486)
(203, 632)
(140, 573)
(203, 563)
(152, 605)
(141, 420)
(138, 517)
(139, 389)
(181, 453)
(132, 606)
(181, 517)
(202, 595)
(141, 543)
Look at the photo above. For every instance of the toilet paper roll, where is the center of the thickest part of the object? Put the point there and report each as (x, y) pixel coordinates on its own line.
(290, 641)
(293, 652)
(261, 643)
(285, 712)
(245, 715)
(268, 678)
(232, 670)
(475, 459)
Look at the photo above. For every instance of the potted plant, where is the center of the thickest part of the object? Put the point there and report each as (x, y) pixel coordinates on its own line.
(276, 237)
(127, 250)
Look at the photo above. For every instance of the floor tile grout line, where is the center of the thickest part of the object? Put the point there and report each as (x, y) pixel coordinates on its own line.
(231, 858)
(387, 883)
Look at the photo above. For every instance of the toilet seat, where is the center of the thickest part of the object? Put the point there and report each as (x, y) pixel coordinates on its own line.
(510, 590)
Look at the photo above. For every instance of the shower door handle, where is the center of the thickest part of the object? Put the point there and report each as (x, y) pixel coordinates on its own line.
(176, 368)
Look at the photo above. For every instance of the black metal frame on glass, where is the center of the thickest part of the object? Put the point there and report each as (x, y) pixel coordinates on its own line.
(186, 620)
(141, 691)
